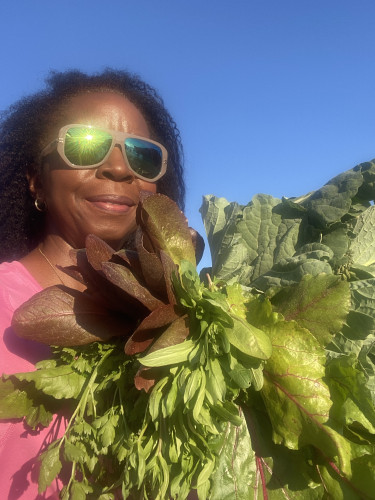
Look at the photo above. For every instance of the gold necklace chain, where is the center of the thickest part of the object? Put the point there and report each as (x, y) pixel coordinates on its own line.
(51, 265)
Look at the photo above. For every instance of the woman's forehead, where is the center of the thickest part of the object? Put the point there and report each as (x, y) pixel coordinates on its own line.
(106, 109)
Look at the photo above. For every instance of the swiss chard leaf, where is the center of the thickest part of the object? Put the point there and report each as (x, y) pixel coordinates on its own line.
(297, 398)
(281, 473)
(320, 304)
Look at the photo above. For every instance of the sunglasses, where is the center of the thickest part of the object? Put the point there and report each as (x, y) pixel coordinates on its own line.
(84, 146)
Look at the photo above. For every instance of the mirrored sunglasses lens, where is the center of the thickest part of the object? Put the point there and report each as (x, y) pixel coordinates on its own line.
(85, 146)
(144, 157)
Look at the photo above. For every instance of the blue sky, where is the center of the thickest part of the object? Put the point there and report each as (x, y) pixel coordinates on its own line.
(270, 96)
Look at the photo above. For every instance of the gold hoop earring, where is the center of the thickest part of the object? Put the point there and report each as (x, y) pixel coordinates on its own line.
(40, 205)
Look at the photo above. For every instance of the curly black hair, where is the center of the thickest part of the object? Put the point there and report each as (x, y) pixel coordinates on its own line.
(23, 131)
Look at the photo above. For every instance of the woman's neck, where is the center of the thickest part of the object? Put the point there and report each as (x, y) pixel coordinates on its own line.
(45, 262)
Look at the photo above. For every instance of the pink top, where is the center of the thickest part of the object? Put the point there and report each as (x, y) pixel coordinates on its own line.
(20, 446)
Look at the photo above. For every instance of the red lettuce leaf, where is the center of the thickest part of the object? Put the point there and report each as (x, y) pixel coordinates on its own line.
(61, 316)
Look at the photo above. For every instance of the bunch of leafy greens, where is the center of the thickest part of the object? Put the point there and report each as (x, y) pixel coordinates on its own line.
(260, 382)
(313, 259)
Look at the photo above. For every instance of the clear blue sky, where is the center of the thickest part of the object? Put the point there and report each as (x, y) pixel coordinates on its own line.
(270, 96)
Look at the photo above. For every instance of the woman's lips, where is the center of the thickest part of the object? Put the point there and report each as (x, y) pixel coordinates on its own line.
(112, 203)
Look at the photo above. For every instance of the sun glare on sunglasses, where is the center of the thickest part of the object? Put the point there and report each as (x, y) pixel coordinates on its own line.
(84, 146)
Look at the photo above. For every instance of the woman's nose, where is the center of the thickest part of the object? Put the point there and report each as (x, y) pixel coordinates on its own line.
(115, 167)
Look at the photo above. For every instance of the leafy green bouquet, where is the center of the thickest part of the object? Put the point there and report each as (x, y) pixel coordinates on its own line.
(255, 381)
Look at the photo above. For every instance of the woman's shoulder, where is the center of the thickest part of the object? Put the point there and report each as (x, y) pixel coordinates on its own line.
(10, 270)
(16, 284)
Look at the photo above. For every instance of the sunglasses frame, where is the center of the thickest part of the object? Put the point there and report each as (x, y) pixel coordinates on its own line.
(118, 139)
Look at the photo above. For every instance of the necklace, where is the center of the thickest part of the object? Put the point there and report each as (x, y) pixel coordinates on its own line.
(51, 265)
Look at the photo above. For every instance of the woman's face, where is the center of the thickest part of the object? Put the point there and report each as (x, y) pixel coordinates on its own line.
(102, 200)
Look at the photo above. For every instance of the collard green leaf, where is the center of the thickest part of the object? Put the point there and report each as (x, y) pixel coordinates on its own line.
(363, 297)
(362, 247)
(233, 264)
(367, 190)
(358, 341)
(338, 239)
(250, 239)
(268, 236)
(219, 220)
(289, 271)
(274, 230)
(320, 304)
(333, 201)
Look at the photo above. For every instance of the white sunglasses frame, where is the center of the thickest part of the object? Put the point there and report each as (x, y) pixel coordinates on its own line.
(118, 139)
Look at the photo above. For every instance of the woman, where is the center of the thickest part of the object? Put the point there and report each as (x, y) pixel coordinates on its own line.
(73, 161)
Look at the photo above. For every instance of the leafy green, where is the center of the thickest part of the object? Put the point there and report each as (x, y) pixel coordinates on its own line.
(259, 381)
(320, 305)
(313, 257)
(169, 355)
(67, 317)
(235, 481)
(167, 229)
